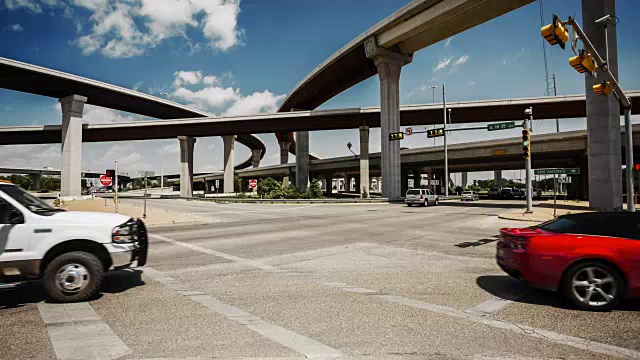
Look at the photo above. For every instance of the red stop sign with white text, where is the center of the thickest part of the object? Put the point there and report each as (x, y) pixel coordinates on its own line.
(253, 183)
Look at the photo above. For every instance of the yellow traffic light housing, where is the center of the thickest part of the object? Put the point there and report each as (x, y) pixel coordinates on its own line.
(583, 62)
(555, 33)
(603, 88)
(526, 143)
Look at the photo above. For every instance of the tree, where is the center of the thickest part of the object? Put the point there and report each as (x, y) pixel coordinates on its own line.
(138, 183)
(314, 191)
(237, 184)
(267, 186)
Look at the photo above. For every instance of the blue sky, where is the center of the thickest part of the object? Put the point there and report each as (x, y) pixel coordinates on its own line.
(231, 57)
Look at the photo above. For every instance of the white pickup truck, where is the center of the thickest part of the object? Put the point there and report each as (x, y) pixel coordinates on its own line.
(69, 251)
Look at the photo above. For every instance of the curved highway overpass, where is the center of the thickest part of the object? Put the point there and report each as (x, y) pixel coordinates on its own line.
(19, 76)
(415, 26)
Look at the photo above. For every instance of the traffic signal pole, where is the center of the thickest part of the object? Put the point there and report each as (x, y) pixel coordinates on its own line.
(527, 125)
(446, 160)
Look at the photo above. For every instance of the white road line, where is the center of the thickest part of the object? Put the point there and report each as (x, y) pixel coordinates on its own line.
(312, 349)
(558, 338)
(488, 307)
(77, 332)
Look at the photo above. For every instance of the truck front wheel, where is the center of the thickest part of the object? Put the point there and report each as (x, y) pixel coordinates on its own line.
(74, 276)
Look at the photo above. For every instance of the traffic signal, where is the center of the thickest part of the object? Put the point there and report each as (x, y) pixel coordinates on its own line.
(603, 88)
(555, 33)
(636, 167)
(526, 143)
(111, 174)
(583, 62)
(435, 133)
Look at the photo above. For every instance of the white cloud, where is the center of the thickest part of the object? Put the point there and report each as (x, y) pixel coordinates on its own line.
(447, 43)
(30, 5)
(127, 28)
(210, 97)
(258, 102)
(471, 83)
(15, 27)
(522, 52)
(461, 60)
(443, 64)
(211, 80)
(187, 78)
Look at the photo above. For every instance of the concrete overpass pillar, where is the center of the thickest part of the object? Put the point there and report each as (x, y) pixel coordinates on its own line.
(364, 160)
(71, 170)
(35, 179)
(389, 65)
(464, 180)
(302, 160)
(497, 177)
(329, 184)
(186, 165)
(255, 157)
(284, 152)
(603, 115)
(229, 159)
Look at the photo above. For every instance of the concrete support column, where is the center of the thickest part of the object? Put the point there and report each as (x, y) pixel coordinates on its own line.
(465, 179)
(364, 160)
(389, 65)
(36, 181)
(255, 157)
(71, 170)
(302, 160)
(186, 165)
(329, 186)
(229, 160)
(603, 114)
(404, 185)
(497, 177)
(284, 152)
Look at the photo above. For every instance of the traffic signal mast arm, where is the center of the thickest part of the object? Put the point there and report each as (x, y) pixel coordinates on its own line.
(624, 100)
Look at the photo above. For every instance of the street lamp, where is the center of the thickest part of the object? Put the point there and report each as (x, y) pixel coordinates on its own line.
(349, 147)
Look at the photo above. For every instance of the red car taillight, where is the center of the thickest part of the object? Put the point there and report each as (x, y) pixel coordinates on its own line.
(519, 243)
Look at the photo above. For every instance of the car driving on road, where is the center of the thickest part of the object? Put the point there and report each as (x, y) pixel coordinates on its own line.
(506, 193)
(422, 197)
(69, 251)
(469, 195)
(592, 259)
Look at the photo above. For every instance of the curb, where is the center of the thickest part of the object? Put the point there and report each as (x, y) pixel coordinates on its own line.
(519, 219)
(289, 201)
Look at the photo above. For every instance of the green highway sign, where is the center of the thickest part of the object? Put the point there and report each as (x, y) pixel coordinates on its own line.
(501, 126)
(575, 171)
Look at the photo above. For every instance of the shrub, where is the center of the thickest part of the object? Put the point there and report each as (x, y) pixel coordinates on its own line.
(268, 186)
(314, 191)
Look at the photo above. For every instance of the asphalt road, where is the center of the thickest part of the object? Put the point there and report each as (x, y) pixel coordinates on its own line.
(373, 281)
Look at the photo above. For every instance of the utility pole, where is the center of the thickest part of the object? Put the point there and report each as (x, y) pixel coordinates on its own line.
(161, 169)
(555, 93)
(446, 160)
(433, 101)
(115, 194)
(527, 125)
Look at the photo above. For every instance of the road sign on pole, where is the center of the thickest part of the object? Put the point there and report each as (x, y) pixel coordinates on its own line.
(409, 131)
(253, 183)
(396, 136)
(569, 171)
(501, 126)
(105, 180)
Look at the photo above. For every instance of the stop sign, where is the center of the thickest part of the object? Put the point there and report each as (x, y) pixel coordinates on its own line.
(253, 183)
(105, 180)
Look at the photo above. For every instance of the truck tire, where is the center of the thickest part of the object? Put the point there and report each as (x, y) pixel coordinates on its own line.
(74, 276)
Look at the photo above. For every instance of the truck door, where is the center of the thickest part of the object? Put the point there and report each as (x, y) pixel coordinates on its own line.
(16, 259)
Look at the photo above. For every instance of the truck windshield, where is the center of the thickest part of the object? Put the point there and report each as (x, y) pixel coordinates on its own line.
(32, 203)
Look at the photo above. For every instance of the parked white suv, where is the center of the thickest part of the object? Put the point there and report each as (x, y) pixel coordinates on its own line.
(69, 251)
(422, 197)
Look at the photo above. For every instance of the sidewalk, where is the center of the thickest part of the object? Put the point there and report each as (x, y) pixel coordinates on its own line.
(544, 211)
(154, 216)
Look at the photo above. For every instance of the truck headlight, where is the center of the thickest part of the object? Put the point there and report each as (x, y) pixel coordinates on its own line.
(124, 233)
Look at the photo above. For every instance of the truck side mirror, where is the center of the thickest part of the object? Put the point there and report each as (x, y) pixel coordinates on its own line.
(15, 217)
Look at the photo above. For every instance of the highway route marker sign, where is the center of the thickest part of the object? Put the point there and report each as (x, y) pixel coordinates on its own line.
(501, 126)
(253, 183)
(570, 171)
(396, 136)
(105, 180)
(409, 131)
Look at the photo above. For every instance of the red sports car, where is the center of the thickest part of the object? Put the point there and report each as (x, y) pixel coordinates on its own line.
(592, 258)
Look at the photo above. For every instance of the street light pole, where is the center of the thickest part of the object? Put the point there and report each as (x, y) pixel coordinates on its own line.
(433, 101)
(161, 169)
(115, 196)
(446, 160)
